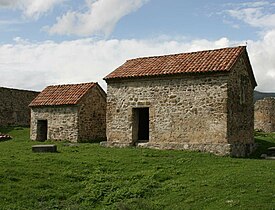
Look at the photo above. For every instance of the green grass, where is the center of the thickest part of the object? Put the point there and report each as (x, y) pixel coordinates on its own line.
(88, 176)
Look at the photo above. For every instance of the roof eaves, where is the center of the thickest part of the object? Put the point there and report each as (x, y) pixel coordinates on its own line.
(167, 74)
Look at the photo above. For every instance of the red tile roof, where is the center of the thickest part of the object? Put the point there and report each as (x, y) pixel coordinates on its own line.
(62, 94)
(202, 61)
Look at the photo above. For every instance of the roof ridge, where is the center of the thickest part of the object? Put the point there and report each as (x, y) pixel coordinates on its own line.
(60, 85)
(193, 52)
(221, 60)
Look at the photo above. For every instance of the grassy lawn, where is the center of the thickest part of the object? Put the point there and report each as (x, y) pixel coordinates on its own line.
(88, 176)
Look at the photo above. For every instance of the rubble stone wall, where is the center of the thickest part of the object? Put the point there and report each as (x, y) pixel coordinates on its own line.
(14, 108)
(265, 115)
(92, 115)
(62, 122)
(240, 110)
(182, 111)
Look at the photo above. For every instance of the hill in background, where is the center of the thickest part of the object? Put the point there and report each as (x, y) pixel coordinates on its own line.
(260, 95)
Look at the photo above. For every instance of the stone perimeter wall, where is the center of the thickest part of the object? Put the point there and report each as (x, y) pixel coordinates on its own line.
(265, 115)
(14, 108)
(184, 113)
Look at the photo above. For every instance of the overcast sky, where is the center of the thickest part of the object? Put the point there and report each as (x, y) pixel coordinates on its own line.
(45, 42)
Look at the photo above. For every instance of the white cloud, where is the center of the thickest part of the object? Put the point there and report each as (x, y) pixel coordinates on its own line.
(256, 14)
(100, 18)
(35, 65)
(36, 8)
(253, 4)
(9, 22)
(254, 17)
(31, 8)
(9, 3)
(262, 56)
(260, 15)
(30, 65)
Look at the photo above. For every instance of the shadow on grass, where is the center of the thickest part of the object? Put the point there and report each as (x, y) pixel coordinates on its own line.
(263, 145)
(3, 140)
(7, 129)
(93, 141)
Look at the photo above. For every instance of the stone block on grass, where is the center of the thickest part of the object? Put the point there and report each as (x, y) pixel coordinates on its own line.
(44, 148)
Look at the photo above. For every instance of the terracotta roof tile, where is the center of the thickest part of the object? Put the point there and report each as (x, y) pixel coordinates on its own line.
(62, 94)
(201, 61)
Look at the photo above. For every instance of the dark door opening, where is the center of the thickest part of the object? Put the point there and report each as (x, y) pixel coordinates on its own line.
(141, 124)
(42, 130)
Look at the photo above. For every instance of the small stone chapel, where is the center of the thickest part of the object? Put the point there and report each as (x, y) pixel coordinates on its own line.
(189, 101)
(75, 112)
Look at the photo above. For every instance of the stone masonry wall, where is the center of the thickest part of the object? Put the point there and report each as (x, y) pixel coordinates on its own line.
(62, 122)
(14, 108)
(265, 115)
(184, 113)
(92, 115)
(240, 110)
